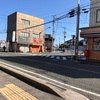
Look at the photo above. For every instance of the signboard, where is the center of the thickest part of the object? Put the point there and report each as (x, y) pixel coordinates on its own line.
(37, 40)
(13, 36)
(23, 39)
(90, 34)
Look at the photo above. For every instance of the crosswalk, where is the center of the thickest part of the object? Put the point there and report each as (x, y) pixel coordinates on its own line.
(57, 57)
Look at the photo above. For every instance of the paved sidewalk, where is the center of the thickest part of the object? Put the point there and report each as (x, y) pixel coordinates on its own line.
(8, 82)
(11, 87)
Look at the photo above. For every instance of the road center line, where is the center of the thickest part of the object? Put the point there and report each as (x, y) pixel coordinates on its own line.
(63, 66)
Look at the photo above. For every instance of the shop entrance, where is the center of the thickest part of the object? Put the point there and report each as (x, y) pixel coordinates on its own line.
(34, 48)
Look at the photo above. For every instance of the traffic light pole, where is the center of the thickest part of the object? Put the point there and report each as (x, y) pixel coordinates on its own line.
(77, 31)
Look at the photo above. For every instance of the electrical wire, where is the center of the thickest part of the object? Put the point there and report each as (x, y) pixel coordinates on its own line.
(85, 19)
(59, 18)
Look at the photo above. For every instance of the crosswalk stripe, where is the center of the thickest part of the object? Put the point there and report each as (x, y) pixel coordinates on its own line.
(57, 57)
(64, 58)
(47, 56)
(52, 57)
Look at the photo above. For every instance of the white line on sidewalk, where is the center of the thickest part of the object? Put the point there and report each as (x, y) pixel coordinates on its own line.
(67, 85)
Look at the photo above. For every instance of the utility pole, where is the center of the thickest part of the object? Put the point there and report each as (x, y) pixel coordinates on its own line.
(73, 38)
(64, 37)
(72, 46)
(53, 31)
(59, 42)
(77, 31)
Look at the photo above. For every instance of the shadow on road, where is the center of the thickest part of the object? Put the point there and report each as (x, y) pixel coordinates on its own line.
(65, 68)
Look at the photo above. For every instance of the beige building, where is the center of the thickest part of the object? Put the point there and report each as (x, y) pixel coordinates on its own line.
(25, 33)
(92, 33)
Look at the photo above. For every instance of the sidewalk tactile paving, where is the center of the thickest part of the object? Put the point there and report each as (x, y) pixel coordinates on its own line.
(13, 92)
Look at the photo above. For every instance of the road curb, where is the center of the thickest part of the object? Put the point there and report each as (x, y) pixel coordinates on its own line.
(43, 84)
(27, 80)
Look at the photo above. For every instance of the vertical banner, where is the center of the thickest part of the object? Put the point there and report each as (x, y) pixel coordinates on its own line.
(13, 36)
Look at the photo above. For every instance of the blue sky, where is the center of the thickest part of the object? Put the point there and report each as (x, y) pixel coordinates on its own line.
(44, 9)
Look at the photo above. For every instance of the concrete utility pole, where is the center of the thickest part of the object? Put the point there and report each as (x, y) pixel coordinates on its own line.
(64, 37)
(73, 38)
(53, 31)
(77, 31)
(59, 42)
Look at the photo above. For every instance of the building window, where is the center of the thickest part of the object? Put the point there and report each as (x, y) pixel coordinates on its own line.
(96, 44)
(24, 34)
(24, 37)
(98, 16)
(25, 21)
(35, 35)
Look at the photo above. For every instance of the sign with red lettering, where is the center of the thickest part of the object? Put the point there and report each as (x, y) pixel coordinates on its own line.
(37, 40)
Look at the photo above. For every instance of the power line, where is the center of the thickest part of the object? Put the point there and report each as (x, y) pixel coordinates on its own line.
(35, 26)
(56, 19)
(59, 18)
(85, 19)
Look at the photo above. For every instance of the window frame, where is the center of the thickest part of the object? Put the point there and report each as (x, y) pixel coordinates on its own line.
(96, 46)
(24, 34)
(97, 15)
(37, 35)
(24, 21)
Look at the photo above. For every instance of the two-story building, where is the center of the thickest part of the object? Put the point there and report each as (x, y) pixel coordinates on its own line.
(48, 42)
(92, 33)
(25, 33)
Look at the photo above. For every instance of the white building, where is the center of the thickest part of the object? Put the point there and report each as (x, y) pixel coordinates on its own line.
(2, 43)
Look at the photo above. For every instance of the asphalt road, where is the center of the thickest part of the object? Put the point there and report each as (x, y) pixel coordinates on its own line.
(83, 76)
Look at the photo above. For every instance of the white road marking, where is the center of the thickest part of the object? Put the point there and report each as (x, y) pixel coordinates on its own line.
(67, 85)
(34, 54)
(57, 57)
(52, 57)
(40, 54)
(64, 58)
(47, 56)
